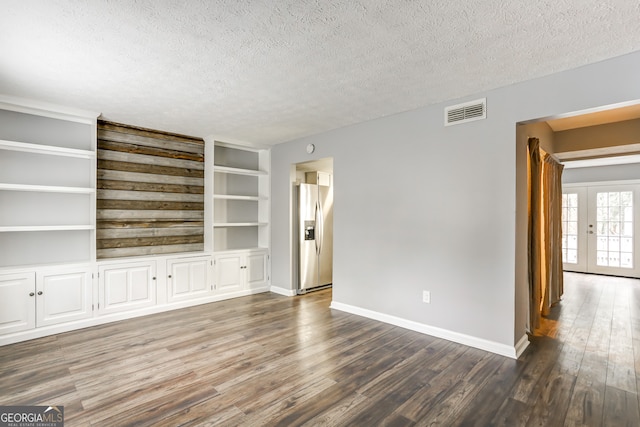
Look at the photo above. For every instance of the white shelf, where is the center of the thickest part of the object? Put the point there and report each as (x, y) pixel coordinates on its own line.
(47, 185)
(45, 149)
(46, 188)
(233, 197)
(238, 171)
(243, 249)
(240, 198)
(20, 228)
(239, 224)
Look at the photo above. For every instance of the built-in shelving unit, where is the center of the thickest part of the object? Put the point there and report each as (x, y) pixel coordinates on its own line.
(240, 198)
(47, 186)
(159, 225)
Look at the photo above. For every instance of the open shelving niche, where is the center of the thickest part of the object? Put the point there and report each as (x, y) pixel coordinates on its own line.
(47, 186)
(240, 197)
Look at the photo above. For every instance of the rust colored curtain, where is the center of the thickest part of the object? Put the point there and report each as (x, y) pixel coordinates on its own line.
(545, 232)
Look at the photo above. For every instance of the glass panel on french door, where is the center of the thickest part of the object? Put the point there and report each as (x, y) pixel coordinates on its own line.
(570, 228)
(614, 229)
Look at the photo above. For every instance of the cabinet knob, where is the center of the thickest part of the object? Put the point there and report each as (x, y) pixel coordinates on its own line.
(31, 294)
(153, 278)
(39, 292)
(169, 276)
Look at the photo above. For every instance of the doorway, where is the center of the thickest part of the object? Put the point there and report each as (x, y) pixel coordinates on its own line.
(312, 225)
(582, 141)
(600, 228)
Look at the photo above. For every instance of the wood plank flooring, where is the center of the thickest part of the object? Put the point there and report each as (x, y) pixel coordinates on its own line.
(269, 360)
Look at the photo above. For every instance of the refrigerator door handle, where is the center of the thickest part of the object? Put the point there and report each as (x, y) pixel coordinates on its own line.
(320, 225)
(317, 231)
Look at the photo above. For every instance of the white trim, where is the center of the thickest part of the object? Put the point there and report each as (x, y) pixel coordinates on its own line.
(468, 340)
(240, 251)
(46, 188)
(522, 345)
(209, 153)
(20, 228)
(601, 161)
(233, 197)
(601, 183)
(234, 143)
(580, 112)
(238, 171)
(30, 106)
(239, 224)
(283, 291)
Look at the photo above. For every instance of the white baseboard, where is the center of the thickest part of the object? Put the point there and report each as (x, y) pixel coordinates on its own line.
(283, 291)
(522, 345)
(468, 340)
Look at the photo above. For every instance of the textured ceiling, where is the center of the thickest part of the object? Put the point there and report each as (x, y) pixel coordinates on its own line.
(269, 71)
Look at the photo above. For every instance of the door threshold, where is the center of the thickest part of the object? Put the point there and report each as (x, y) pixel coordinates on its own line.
(317, 288)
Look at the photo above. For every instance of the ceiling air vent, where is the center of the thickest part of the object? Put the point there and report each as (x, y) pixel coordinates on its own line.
(467, 112)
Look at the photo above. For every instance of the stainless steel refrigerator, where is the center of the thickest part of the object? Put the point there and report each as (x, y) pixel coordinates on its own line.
(315, 236)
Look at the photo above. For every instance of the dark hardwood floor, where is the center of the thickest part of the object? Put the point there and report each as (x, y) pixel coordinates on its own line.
(274, 360)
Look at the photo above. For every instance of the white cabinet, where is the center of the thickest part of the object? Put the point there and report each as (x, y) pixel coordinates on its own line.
(47, 186)
(44, 298)
(126, 287)
(189, 278)
(63, 296)
(17, 302)
(256, 269)
(241, 270)
(229, 271)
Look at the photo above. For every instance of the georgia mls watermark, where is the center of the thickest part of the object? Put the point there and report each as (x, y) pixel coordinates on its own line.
(31, 416)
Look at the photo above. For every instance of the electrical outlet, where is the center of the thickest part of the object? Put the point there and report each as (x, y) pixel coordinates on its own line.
(426, 297)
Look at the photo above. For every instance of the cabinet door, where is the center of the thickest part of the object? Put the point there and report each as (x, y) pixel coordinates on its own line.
(256, 271)
(17, 302)
(127, 286)
(63, 297)
(188, 278)
(228, 272)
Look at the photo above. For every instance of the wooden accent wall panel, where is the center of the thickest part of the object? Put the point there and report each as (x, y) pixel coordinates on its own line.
(150, 196)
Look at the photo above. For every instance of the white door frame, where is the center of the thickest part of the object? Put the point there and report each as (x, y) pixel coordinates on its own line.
(587, 242)
(581, 265)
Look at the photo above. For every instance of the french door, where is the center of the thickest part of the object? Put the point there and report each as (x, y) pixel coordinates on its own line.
(600, 229)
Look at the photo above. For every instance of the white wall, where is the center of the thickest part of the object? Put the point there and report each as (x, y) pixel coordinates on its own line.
(420, 206)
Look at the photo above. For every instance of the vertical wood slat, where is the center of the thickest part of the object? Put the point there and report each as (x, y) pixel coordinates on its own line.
(150, 170)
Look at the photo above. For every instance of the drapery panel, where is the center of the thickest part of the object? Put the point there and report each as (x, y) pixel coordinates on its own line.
(545, 232)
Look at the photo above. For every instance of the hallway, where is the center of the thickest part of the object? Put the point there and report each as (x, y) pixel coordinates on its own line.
(595, 335)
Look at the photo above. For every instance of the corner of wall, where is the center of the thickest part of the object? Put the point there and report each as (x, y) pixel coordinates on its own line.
(468, 340)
